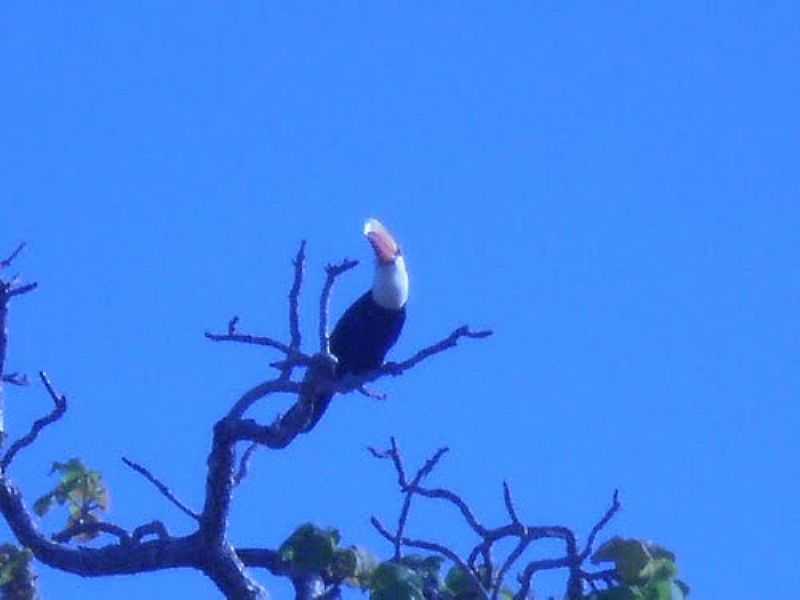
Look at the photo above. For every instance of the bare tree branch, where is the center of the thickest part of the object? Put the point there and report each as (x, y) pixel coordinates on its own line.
(484, 579)
(208, 549)
(512, 512)
(430, 546)
(351, 383)
(23, 289)
(612, 510)
(294, 297)
(156, 528)
(58, 411)
(331, 273)
(6, 262)
(256, 340)
(91, 528)
(19, 379)
(244, 463)
(261, 391)
(165, 491)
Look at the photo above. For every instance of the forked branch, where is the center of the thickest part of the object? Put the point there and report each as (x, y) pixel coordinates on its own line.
(59, 408)
(487, 577)
(208, 548)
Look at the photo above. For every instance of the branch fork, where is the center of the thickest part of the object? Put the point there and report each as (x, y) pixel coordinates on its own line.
(207, 548)
(487, 578)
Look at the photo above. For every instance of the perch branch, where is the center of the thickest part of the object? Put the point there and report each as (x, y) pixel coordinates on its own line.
(165, 491)
(357, 382)
(331, 273)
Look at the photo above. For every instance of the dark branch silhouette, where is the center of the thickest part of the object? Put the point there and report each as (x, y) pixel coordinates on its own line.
(331, 272)
(150, 547)
(58, 411)
(487, 578)
(161, 488)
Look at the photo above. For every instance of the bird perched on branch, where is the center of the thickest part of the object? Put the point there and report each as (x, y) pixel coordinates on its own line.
(372, 324)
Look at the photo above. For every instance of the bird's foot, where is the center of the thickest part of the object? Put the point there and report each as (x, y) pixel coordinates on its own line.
(392, 368)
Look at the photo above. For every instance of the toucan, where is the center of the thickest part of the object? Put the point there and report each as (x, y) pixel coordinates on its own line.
(371, 325)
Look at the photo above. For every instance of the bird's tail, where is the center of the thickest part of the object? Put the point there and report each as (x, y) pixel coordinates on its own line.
(316, 385)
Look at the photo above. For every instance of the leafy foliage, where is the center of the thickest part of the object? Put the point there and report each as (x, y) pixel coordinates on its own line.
(80, 489)
(413, 577)
(17, 579)
(642, 570)
(646, 571)
(314, 550)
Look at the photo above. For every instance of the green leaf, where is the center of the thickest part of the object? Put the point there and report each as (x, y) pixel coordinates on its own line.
(14, 563)
(43, 504)
(72, 469)
(630, 556)
(365, 565)
(394, 581)
(460, 584)
(617, 593)
(81, 520)
(662, 569)
(310, 548)
(80, 489)
(426, 566)
(506, 594)
(657, 551)
(345, 564)
(681, 585)
(657, 590)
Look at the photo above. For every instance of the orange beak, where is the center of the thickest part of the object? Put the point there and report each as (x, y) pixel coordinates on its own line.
(385, 247)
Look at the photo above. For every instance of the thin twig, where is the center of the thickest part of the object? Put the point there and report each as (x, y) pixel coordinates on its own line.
(92, 528)
(521, 546)
(448, 342)
(512, 512)
(410, 489)
(242, 338)
(350, 383)
(370, 393)
(612, 510)
(432, 547)
(161, 488)
(244, 464)
(462, 506)
(232, 324)
(23, 289)
(5, 263)
(16, 379)
(60, 407)
(294, 296)
(156, 528)
(331, 273)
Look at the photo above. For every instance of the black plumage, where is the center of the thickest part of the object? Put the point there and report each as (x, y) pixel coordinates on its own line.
(360, 341)
(364, 334)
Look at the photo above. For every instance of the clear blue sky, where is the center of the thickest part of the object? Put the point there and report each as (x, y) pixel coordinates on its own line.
(613, 189)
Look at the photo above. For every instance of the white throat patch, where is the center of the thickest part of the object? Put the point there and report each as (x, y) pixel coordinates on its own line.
(390, 287)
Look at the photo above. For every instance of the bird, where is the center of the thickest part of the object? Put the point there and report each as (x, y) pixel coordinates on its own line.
(372, 324)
